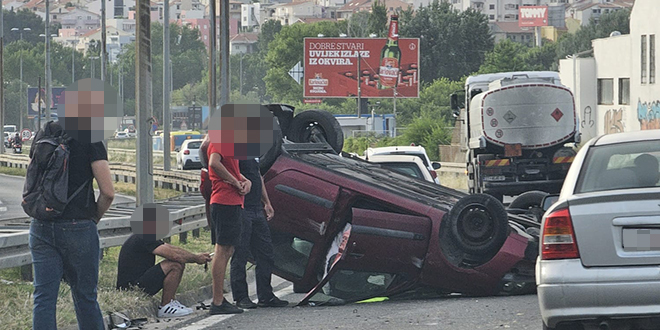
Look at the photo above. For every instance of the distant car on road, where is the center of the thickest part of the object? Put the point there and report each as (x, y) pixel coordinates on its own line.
(188, 155)
(418, 151)
(599, 257)
(406, 164)
(121, 135)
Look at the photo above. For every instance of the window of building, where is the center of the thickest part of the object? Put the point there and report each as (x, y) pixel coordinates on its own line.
(643, 62)
(491, 17)
(624, 91)
(491, 7)
(54, 17)
(605, 91)
(652, 59)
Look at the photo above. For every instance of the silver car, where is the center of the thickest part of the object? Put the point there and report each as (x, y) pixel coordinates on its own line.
(599, 260)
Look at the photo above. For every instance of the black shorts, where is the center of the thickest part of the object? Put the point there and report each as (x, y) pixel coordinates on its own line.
(152, 280)
(226, 224)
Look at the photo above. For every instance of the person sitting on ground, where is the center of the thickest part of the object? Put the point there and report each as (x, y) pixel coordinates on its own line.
(137, 267)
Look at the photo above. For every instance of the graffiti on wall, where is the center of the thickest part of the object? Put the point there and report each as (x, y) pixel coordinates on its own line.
(648, 114)
(614, 121)
(587, 120)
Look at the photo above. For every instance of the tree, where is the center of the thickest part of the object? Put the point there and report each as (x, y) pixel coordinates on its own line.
(24, 18)
(581, 40)
(269, 30)
(452, 43)
(377, 20)
(358, 25)
(507, 56)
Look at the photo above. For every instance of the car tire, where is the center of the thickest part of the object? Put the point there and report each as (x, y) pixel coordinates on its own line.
(479, 224)
(530, 201)
(269, 158)
(317, 126)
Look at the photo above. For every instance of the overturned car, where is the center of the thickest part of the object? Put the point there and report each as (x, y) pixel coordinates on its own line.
(346, 230)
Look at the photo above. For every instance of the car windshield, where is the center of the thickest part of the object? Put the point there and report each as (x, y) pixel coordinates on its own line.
(410, 169)
(620, 166)
(194, 145)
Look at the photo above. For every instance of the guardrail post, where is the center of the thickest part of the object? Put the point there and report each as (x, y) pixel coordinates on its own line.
(183, 238)
(26, 273)
(195, 233)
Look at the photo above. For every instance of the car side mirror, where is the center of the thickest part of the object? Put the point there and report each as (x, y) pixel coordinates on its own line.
(436, 165)
(177, 149)
(548, 201)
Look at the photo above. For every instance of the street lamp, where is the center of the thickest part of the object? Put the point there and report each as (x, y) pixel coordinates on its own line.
(20, 111)
(73, 59)
(91, 60)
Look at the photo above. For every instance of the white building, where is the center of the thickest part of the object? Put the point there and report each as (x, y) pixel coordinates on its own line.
(114, 8)
(584, 11)
(250, 15)
(617, 91)
(289, 13)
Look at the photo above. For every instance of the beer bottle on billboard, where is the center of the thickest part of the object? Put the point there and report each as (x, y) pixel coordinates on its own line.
(390, 57)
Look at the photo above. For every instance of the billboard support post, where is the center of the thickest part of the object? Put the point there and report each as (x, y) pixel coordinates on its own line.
(359, 88)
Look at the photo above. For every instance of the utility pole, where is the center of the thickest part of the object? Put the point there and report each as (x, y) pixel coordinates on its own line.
(2, 75)
(39, 105)
(20, 111)
(104, 53)
(166, 87)
(212, 57)
(73, 61)
(224, 52)
(49, 96)
(143, 111)
(359, 84)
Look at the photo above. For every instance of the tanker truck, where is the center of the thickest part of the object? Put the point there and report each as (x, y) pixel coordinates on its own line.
(518, 131)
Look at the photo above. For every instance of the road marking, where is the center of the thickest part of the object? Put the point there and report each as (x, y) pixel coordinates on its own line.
(212, 321)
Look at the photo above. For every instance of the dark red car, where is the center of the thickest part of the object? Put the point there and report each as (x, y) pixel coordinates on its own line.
(346, 230)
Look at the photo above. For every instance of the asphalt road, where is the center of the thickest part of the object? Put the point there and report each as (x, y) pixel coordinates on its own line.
(11, 195)
(448, 312)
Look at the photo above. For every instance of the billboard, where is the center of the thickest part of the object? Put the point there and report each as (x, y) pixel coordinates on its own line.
(33, 99)
(331, 68)
(532, 16)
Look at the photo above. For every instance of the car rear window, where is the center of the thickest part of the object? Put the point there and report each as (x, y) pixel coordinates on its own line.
(620, 166)
(194, 145)
(410, 169)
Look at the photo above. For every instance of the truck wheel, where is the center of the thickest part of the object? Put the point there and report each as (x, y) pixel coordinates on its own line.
(479, 224)
(317, 126)
(530, 201)
(268, 159)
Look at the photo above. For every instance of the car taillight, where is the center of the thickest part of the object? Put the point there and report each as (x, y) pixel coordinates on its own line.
(434, 174)
(558, 237)
(186, 152)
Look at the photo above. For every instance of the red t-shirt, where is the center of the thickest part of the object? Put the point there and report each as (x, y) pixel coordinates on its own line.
(224, 193)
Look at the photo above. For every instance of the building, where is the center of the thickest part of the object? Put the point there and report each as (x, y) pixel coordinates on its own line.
(289, 13)
(77, 19)
(243, 43)
(250, 15)
(114, 8)
(511, 31)
(580, 13)
(394, 7)
(617, 91)
(115, 41)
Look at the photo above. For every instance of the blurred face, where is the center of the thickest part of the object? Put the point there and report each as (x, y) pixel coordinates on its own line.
(151, 222)
(243, 131)
(90, 112)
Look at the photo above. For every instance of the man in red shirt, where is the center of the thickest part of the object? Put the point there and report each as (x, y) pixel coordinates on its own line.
(229, 189)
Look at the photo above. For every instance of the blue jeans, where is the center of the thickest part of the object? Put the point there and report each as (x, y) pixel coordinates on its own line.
(66, 250)
(255, 240)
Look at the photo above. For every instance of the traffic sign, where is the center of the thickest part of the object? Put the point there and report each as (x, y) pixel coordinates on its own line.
(297, 72)
(26, 134)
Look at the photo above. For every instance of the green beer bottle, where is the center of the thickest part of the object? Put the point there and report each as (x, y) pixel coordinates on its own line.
(390, 57)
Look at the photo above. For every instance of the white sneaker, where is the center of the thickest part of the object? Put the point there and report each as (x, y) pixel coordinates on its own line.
(173, 309)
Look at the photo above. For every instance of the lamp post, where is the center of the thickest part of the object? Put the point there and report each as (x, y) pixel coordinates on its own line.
(20, 110)
(91, 60)
(49, 92)
(73, 59)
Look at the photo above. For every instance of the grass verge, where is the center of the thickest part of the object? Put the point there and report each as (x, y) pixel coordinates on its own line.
(16, 295)
(13, 171)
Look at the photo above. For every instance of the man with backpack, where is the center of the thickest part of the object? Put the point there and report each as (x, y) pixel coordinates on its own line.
(64, 240)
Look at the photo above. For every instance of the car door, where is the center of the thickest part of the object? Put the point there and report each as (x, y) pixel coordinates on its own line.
(380, 253)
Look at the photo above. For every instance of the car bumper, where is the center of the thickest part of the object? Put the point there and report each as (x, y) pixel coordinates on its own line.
(516, 188)
(568, 291)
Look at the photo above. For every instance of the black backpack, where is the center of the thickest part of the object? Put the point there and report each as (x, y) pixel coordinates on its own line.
(47, 181)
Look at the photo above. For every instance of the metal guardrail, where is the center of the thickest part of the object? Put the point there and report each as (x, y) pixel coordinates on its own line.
(183, 181)
(186, 212)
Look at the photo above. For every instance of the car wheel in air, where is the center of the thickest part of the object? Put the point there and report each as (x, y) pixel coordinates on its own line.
(267, 160)
(478, 224)
(317, 126)
(530, 201)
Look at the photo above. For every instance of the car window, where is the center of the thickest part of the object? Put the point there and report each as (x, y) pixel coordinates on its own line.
(290, 253)
(620, 166)
(410, 169)
(194, 145)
